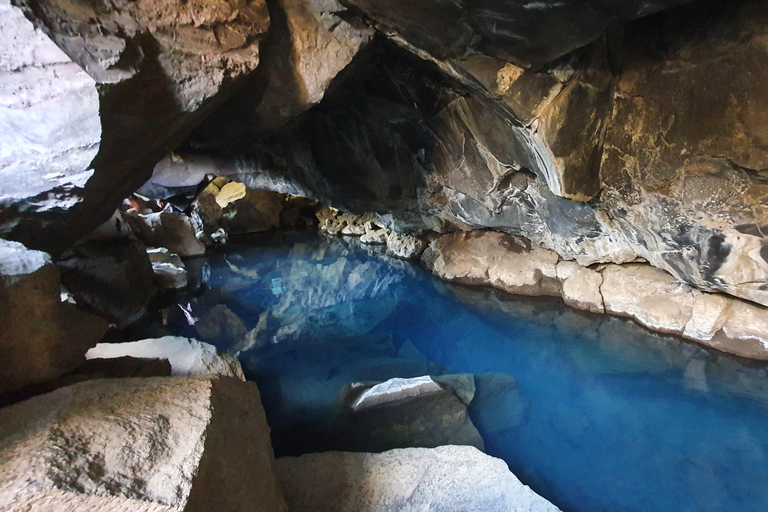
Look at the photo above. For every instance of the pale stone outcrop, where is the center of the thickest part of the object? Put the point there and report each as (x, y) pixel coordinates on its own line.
(41, 336)
(411, 412)
(188, 357)
(500, 260)
(163, 443)
(395, 389)
(411, 479)
(652, 297)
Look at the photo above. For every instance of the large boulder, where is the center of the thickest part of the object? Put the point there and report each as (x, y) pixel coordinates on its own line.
(113, 278)
(411, 479)
(160, 68)
(42, 337)
(188, 357)
(160, 443)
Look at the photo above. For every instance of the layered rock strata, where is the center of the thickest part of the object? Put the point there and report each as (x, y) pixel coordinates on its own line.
(650, 296)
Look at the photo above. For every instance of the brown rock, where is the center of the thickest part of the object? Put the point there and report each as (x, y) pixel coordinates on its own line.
(41, 337)
(172, 230)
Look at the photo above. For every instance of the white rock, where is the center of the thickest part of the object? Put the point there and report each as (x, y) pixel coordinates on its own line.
(395, 389)
(162, 443)
(16, 259)
(447, 478)
(649, 295)
(188, 357)
(580, 286)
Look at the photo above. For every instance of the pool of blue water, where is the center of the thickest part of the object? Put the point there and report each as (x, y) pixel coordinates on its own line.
(613, 417)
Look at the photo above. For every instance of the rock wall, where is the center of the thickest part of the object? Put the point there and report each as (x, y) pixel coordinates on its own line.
(610, 154)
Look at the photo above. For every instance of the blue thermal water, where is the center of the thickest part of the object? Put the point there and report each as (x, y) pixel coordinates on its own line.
(606, 416)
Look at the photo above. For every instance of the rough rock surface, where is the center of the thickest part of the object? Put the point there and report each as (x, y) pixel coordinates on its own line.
(41, 337)
(139, 444)
(310, 43)
(444, 478)
(651, 296)
(169, 229)
(159, 67)
(113, 278)
(478, 142)
(188, 357)
(49, 111)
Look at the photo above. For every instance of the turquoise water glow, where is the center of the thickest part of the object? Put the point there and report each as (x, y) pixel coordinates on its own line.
(606, 417)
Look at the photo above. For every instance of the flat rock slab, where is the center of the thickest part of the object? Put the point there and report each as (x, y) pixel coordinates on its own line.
(188, 357)
(163, 443)
(448, 478)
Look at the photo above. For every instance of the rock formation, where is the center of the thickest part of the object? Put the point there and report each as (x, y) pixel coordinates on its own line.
(41, 336)
(651, 296)
(444, 478)
(188, 357)
(139, 444)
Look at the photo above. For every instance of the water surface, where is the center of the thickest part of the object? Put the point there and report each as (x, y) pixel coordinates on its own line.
(602, 415)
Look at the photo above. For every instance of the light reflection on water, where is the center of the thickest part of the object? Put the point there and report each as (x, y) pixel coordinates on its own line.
(607, 416)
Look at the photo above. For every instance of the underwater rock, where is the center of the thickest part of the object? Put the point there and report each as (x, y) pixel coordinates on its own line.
(400, 413)
(188, 357)
(169, 229)
(42, 337)
(497, 403)
(443, 478)
(221, 326)
(113, 278)
(160, 443)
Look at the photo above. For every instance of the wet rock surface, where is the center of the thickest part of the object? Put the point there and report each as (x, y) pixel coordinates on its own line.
(444, 478)
(178, 443)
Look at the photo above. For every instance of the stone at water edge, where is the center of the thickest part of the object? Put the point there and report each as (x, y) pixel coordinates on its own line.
(163, 443)
(394, 390)
(112, 277)
(41, 337)
(188, 357)
(447, 478)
